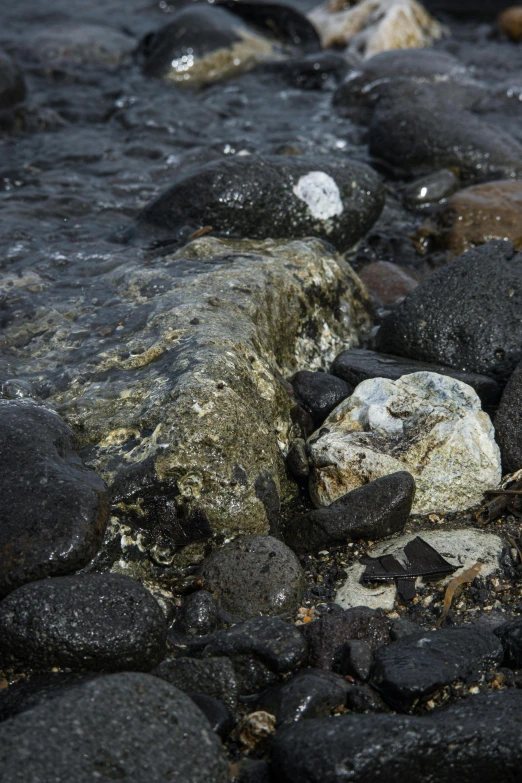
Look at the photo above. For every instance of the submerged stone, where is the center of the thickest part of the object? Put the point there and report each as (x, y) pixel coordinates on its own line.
(179, 406)
(80, 44)
(53, 510)
(12, 84)
(387, 283)
(460, 317)
(273, 196)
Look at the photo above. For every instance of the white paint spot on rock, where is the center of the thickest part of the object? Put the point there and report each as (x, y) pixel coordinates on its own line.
(321, 194)
(459, 547)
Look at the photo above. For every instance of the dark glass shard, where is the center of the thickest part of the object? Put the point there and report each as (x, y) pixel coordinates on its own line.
(420, 559)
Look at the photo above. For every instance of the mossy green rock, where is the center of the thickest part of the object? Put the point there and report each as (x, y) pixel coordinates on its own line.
(173, 390)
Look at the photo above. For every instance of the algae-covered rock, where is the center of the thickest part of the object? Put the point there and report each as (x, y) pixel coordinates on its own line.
(173, 390)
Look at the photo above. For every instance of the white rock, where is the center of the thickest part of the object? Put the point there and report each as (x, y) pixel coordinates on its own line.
(426, 423)
(320, 193)
(373, 26)
(463, 547)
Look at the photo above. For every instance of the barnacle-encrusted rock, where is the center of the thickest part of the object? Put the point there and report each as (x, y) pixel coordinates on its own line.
(428, 424)
(373, 26)
(173, 391)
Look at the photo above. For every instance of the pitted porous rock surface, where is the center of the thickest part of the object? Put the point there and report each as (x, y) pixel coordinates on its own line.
(508, 423)
(93, 622)
(53, 510)
(473, 741)
(279, 196)
(457, 317)
(130, 727)
(425, 423)
(173, 390)
(254, 575)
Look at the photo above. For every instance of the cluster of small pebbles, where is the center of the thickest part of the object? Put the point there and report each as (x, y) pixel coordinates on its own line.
(260, 337)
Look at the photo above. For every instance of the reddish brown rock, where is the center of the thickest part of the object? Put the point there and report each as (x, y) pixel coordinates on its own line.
(387, 283)
(474, 216)
(510, 22)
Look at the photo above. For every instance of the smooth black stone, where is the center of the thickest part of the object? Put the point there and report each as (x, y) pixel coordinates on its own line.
(94, 622)
(253, 575)
(275, 643)
(297, 459)
(508, 423)
(357, 659)
(431, 188)
(361, 698)
(418, 666)
(312, 72)
(319, 393)
(129, 726)
(198, 615)
(312, 693)
(458, 317)
(510, 635)
(264, 186)
(211, 676)
(254, 772)
(12, 84)
(420, 64)
(327, 636)
(281, 20)
(476, 740)
(26, 694)
(372, 511)
(402, 629)
(253, 676)
(201, 28)
(357, 365)
(215, 712)
(53, 510)
(464, 141)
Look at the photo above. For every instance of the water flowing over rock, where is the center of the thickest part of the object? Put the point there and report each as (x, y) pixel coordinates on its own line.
(427, 424)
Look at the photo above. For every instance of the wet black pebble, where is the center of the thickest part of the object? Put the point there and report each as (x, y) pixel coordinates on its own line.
(357, 659)
(319, 393)
(198, 615)
(311, 72)
(53, 510)
(327, 636)
(361, 697)
(281, 196)
(401, 629)
(418, 666)
(508, 423)
(215, 712)
(297, 459)
(474, 741)
(279, 645)
(358, 364)
(123, 726)
(254, 575)
(96, 622)
(467, 314)
(510, 635)
(211, 676)
(464, 141)
(372, 511)
(12, 84)
(312, 693)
